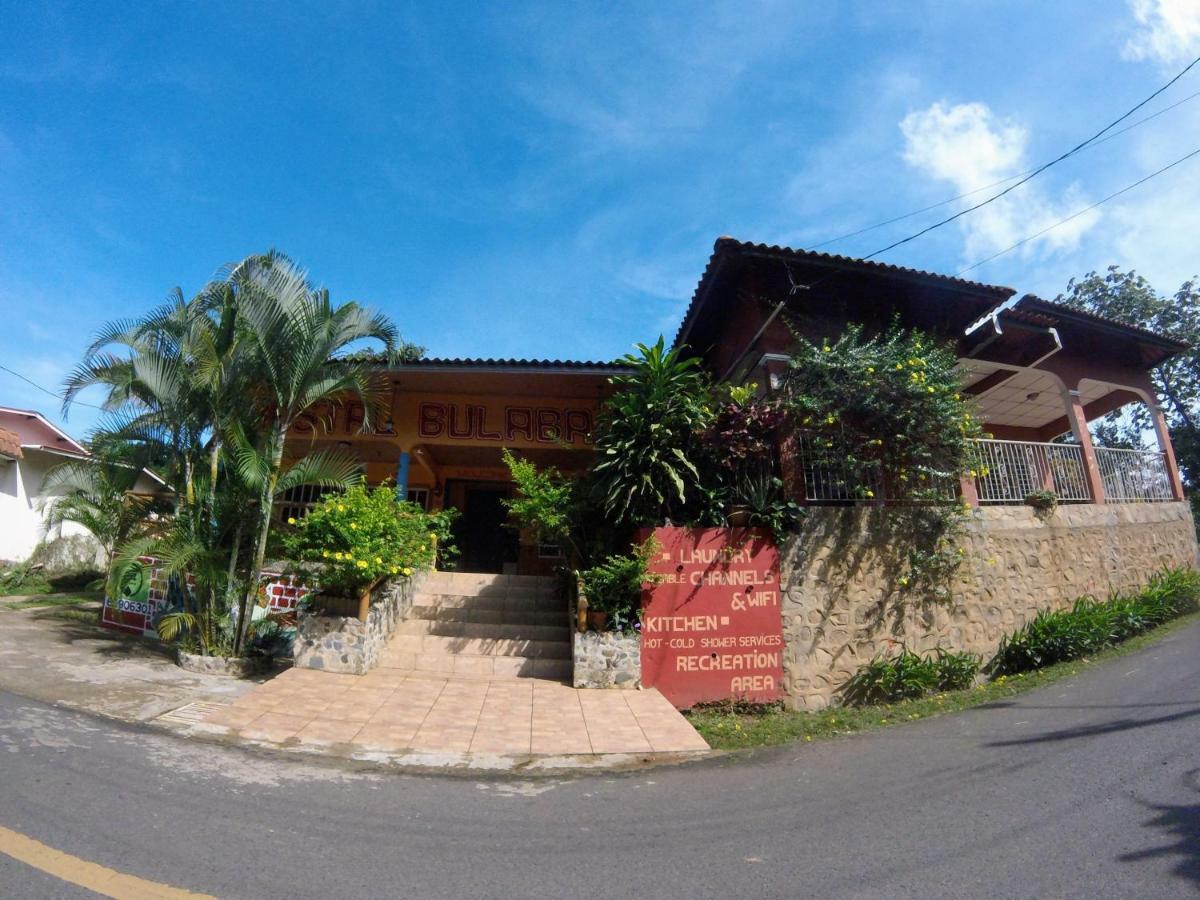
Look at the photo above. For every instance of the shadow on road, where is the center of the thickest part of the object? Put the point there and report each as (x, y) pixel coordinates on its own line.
(1086, 731)
(1182, 825)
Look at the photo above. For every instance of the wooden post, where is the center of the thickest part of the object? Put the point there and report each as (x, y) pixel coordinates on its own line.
(970, 493)
(1168, 451)
(581, 607)
(1091, 466)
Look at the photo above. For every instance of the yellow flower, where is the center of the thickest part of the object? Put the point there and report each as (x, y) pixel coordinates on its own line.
(341, 508)
(291, 520)
(406, 570)
(870, 493)
(930, 390)
(378, 561)
(362, 563)
(870, 370)
(337, 555)
(394, 570)
(354, 526)
(325, 553)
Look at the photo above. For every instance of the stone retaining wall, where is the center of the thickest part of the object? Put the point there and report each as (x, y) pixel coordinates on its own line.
(347, 644)
(607, 659)
(839, 606)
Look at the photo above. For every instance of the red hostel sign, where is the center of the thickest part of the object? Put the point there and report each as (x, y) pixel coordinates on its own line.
(712, 628)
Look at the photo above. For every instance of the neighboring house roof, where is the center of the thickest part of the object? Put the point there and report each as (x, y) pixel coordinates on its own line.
(10, 444)
(36, 432)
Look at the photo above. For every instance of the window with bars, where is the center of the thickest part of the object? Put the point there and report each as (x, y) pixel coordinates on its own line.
(296, 502)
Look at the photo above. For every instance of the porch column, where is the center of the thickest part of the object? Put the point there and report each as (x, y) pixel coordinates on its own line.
(402, 476)
(1168, 450)
(970, 493)
(1091, 466)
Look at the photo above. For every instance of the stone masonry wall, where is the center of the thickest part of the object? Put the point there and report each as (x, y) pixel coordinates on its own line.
(838, 605)
(606, 659)
(345, 643)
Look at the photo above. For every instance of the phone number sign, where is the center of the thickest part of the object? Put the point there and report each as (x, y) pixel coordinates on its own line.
(711, 626)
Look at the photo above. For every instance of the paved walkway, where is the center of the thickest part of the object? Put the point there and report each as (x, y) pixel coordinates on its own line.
(393, 711)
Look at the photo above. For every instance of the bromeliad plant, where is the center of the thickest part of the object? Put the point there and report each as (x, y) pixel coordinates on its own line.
(362, 537)
(886, 414)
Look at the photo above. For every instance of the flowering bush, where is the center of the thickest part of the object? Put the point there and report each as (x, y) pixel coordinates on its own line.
(884, 414)
(361, 537)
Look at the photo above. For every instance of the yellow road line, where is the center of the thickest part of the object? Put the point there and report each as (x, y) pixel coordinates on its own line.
(93, 876)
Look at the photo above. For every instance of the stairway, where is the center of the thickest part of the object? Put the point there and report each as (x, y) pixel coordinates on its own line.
(498, 626)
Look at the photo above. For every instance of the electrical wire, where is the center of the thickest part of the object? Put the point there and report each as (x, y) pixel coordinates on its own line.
(1035, 172)
(997, 183)
(1076, 215)
(58, 397)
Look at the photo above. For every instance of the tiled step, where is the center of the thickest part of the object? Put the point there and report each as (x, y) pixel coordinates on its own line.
(471, 615)
(471, 585)
(515, 602)
(433, 643)
(478, 665)
(559, 632)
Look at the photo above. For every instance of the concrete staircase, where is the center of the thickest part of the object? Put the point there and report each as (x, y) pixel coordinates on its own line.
(484, 625)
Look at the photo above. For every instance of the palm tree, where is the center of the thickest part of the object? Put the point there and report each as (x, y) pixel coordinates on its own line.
(98, 495)
(300, 344)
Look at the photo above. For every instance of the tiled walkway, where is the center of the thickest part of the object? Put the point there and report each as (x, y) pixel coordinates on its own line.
(395, 711)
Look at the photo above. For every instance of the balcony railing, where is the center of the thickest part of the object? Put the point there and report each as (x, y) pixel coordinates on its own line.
(1005, 472)
(1134, 476)
(1009, 471)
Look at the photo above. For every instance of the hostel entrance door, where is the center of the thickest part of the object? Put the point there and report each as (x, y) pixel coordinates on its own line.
(485, 544)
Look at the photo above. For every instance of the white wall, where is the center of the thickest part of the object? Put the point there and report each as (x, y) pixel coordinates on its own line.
(21, 515)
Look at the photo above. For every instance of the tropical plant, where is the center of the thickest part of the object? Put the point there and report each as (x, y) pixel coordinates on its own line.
(615, 585)
(99, 496)
(208, 388)
(1091, 624)
(884, 413)
(361, 537)
(295, 336)
(647, 436)
(909, 675)
(546, 502)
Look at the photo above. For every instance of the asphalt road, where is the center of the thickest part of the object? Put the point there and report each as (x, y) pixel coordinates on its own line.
(1088, 788)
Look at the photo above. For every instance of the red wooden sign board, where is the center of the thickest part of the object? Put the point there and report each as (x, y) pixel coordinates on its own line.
(712, 628)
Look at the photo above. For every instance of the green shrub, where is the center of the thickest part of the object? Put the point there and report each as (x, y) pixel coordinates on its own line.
(910, 675)
(363, 536)
(1092, 625)
(615, 586)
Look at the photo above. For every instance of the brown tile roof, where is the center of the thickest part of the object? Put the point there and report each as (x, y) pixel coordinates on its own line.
(1036, 306)
(10, 444)
(727, 246)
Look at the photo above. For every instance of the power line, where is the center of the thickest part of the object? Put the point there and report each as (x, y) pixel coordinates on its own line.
(998, 182)
(58, 397)
(1037, 171)
(1076, 215)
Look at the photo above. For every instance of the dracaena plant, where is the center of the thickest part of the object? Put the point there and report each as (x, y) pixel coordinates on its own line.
(648, 437)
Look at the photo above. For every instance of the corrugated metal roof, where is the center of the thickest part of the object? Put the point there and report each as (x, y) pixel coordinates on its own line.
(724, 245)
(489, 363)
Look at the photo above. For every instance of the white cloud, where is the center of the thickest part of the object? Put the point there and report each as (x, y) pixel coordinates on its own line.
(1168, 31)
(969, 147)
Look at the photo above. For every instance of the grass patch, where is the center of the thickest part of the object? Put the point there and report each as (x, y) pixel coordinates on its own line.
(735, 727)
(72, 614)
(55, 600)
(21, 581)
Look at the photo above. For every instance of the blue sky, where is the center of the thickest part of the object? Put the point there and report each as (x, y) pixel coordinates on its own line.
(548, 179)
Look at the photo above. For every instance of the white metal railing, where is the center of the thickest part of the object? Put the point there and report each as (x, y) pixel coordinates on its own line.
(1134, 476)
(1009, 471)
(829, 478)
(1005, 472)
